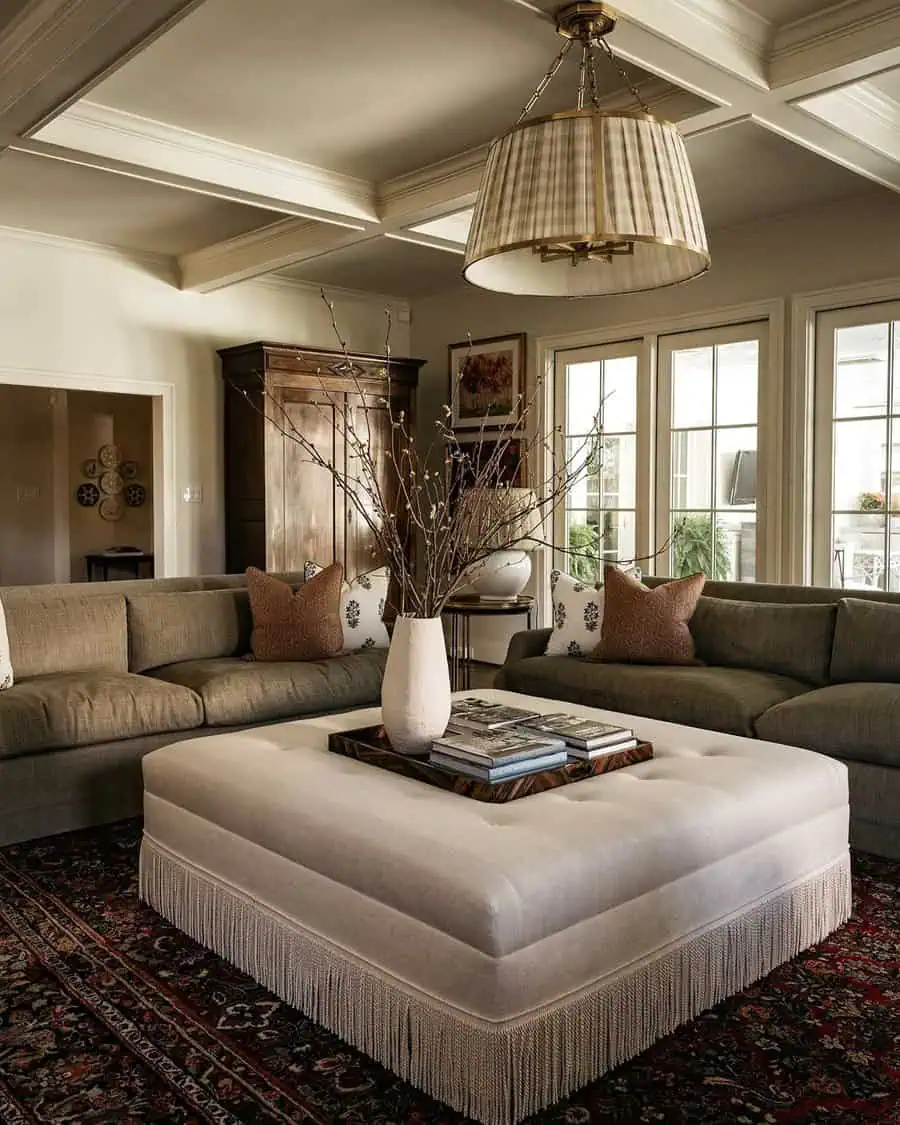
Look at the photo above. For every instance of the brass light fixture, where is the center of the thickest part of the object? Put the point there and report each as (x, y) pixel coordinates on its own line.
(586, 202)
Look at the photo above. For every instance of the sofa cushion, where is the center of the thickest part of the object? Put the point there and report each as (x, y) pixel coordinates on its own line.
(725, 699)
(793, 640)
(643, 626)
(866, 642)
(236, 691)
(68, 709)
(6, 668)
(197, 625)
(858, 722)
(290, 624)
(49, 633)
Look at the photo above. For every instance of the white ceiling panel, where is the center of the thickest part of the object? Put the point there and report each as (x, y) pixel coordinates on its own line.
(384, 265)
(746, 173)
(780, 12)
(368, 89)
(76, 202)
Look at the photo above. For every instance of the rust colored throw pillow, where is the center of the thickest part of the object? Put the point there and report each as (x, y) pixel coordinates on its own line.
(642, 626)
(305, 625)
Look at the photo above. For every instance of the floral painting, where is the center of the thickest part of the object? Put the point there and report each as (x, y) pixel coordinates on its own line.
(487, 378)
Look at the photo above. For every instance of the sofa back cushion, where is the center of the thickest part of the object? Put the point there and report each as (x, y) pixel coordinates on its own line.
(866, 642)
(48, 633)
(194, 625)
(792, 640)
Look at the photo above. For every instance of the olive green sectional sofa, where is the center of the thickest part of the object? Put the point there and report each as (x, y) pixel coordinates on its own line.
(106, 672)
(800, 665)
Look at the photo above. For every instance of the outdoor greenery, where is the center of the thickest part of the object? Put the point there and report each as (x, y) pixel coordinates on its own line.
(589, 548)
(694, 550)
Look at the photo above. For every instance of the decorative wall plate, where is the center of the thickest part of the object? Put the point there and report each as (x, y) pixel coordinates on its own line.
(129, 470)
(112, 508)
(111, 482)
(135, 495)
(91, 468)
(87, 495)
(110, 456)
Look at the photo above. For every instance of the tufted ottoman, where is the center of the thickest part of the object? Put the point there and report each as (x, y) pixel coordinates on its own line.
(497, 956)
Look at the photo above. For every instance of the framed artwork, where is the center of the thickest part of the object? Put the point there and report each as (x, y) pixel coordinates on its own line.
(487, 376)
(512, 467)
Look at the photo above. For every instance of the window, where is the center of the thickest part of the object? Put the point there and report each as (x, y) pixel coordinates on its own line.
(707, 454)
(856, 496)
(599, 521)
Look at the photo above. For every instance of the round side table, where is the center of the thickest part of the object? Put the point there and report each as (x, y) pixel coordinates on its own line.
(461, 610)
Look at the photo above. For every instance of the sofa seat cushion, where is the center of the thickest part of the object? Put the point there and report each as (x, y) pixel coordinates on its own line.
(66, 709)
(236, 691)
(856, 722)
(724, 699)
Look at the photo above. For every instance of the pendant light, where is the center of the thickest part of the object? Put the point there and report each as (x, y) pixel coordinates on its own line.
(589, 201)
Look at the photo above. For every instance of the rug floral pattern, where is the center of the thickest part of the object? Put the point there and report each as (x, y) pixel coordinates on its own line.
(110, 1015)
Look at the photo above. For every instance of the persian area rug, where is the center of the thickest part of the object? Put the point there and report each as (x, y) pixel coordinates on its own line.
(108, 1014)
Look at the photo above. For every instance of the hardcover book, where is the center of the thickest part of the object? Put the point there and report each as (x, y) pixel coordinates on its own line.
(587, 734)
(476, 714)
(493, 747)
(500, 772)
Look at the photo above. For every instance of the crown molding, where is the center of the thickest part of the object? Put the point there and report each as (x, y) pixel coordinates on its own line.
(109, 250)
(280, 281)
(863, 113)
(747, 30)
(843, 33)
(433, 191)
(142, 143)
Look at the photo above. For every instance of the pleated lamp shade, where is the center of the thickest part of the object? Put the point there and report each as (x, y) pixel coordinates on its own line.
(586, 203)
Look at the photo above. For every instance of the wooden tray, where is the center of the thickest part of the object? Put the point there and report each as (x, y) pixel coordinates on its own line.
(370, 745)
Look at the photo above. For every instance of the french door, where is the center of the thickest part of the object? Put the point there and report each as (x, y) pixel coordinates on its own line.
(856, 452)
(710, 490)
(606, 515)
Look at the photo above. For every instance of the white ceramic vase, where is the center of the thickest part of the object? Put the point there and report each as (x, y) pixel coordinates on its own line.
(501, 576)
(415, 693)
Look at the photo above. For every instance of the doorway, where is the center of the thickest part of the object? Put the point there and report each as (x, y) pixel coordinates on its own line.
(77, 474)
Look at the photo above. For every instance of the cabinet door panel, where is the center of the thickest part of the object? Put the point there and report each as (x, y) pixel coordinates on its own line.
(371, 423)
(306, 510)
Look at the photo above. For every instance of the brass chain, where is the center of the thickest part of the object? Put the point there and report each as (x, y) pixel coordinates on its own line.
(546, 80)
(623, 74)
(587, 75)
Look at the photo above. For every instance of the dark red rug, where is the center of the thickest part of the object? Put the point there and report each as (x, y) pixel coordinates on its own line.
(108, 1014)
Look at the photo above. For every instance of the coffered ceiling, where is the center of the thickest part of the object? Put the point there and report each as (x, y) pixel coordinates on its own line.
(343, 143)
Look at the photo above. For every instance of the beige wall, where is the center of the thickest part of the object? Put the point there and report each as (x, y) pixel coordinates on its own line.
(27, 548)
(847, 244)
(100, 419)
(74, 315)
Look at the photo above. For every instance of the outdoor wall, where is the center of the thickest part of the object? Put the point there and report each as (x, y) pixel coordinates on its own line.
(845, 244)
(86, 313)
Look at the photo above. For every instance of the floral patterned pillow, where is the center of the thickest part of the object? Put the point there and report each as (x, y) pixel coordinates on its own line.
(362, 607)
(577, 615)
(6, 672)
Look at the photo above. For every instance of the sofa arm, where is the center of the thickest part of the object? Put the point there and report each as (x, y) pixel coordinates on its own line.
(530, 642)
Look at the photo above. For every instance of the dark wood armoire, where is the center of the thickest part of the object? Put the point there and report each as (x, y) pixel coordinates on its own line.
(280, 509)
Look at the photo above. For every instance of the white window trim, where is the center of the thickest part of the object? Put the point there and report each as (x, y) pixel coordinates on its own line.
(542, 365)
(799, 441)
(768, 430)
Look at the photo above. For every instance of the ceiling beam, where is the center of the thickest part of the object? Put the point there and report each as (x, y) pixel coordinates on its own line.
(263, 251)
(53, 51)
(101, 137)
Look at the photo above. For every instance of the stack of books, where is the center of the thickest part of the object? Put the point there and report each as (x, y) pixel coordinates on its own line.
(489, 742)
(584, 738)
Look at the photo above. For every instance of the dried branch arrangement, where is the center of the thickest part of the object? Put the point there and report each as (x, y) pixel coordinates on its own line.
(448, 490)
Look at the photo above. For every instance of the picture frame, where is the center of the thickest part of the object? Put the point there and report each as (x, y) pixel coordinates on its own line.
(513, 466)
(486, 379)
